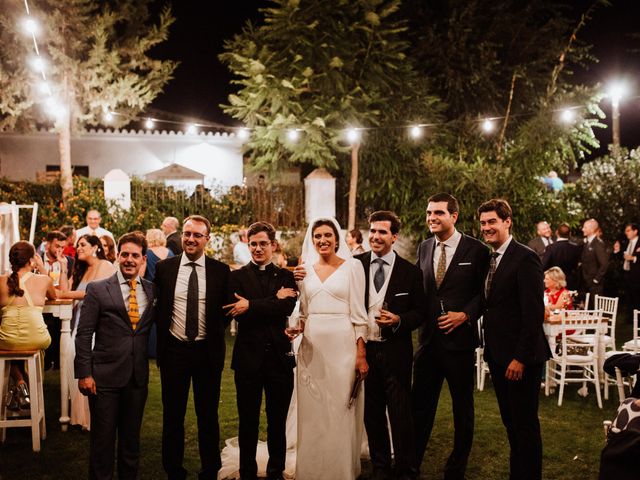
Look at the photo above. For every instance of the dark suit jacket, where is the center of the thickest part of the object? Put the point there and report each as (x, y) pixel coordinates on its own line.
(461, 290)
(537, 245)
(405, 297)
(514, 310)
(217, 286)
(595, 260)
(634, 272)
(265, 320)
(563, 254)
(119, 351)
(174, 243)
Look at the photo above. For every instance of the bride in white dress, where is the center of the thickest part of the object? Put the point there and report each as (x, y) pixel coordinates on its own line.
(324, 435)
(332, 349)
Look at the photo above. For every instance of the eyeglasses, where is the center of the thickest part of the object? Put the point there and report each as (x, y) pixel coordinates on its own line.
(262, 245)
(196, 235)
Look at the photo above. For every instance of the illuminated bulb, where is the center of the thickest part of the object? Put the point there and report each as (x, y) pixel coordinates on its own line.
(415, 132)
(488, 125)
(38, 64)
(243, 134)
(30, 26)
(353, 135)
(1, 238)
(55, 108)
(44, 88)
(567, 115)
(293, 135)
(616, 91)
(191, 129)
(108, 117)
(148, 124)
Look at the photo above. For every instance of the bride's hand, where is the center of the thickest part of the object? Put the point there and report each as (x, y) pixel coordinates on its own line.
(362, 366)
(299, 272)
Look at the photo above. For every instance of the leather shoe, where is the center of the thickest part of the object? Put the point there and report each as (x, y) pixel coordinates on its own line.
(23, 396)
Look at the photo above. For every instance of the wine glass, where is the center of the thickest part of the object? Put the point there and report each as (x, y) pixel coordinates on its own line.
(292, 331)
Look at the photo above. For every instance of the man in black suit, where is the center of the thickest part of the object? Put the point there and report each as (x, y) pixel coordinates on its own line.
(396, 305)
(515, 344)
(544, 239)
(170, 229)
(454, 267)
(115, 372)
(630, 268)
(594, 259)
(263, 295)
(192, 290)
(564, 254)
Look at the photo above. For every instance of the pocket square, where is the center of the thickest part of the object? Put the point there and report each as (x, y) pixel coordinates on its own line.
(464, 263)
(401, 294)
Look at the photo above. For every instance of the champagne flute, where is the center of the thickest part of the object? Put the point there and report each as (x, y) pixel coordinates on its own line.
(292, 331)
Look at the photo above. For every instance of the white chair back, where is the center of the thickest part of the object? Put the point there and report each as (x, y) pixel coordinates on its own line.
(609, 306)
(633, 345)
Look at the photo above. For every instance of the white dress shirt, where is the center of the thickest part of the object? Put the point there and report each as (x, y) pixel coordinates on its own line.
(141, 295)
(98, 232)
(179, 322)
(626, 266)
(376, 299)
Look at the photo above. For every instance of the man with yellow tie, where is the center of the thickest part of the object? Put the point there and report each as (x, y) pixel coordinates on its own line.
(115, 372)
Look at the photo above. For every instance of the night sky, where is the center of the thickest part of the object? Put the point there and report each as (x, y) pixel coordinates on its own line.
(201, 82)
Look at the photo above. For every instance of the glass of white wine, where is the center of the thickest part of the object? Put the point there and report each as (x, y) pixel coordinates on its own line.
(294, 328)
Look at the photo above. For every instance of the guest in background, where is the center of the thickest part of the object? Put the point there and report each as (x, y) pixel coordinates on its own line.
(109, 247)
(630, 268)
(279, 257)
(70, 246)
(22, 296)
(170, 227)
(594, 260)
(354, 240)
(545, 238)
(93, 226)
(556, 293)
(157, 251)
(565, 254)
(241, 253)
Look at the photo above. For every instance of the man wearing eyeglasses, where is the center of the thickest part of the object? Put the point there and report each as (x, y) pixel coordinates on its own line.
(191, 293)
(262, 297)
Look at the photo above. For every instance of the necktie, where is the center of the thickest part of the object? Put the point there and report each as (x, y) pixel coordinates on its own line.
(492, 271)
(191, 326)
(442, 265)
(134, 314)
(378, 278)
(626, 266)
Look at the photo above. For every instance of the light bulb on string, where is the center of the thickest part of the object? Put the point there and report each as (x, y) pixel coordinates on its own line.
(616, 91)
(192, 129)
(149, 123)
(55, 108)
(488, 125)
(30, 26)
(43, 87)
(353, 135)
(293, 135)
(243, 134)
(567, 115)
(415, 132)
(38, 64)
(108, 116)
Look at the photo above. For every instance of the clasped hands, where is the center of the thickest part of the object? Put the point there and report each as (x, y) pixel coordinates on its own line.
(451, 321)
(242, 305)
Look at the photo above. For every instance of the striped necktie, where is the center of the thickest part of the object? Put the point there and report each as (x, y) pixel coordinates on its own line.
(134, 313)
(492, 270)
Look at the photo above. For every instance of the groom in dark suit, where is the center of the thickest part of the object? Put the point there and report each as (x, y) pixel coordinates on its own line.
(192, 289)
(263, 295)
(115, 372)
(454, 267)
(515, 344)
(395, 303)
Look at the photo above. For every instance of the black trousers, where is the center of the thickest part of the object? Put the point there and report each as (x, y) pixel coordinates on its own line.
(277, 382)
(632, 296)
(52, 353)
(116, 412)
(433, 364)
(184, 362)
(388, 390)
(518, 402)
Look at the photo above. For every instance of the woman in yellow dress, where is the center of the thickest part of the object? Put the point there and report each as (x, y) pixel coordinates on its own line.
(22, 296)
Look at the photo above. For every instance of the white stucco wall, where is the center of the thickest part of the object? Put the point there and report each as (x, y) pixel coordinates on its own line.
(217, 155)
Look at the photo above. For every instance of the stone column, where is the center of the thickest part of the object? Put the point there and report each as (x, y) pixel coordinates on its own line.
(117, 187)
(320, 195)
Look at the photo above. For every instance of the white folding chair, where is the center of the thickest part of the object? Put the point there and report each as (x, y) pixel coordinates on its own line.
(578, 359)
(609, 307)
(482, 367)
(634, 344)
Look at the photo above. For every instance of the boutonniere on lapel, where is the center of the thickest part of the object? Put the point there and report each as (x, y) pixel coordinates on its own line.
(155, 301)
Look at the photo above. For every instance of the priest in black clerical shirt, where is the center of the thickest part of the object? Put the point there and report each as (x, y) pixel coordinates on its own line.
(262, 297)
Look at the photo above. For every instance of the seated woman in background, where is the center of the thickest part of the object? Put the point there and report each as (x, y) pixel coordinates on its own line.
(156, 251)
(90, 265)
(557, 297)
(22, 327)
(109, 247)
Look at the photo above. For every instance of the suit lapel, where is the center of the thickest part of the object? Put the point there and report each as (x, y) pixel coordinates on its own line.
(148, 290)
(252, 279)
(460, 251)
(395, 280)
(172, 277)
(430, 247)
(502, 266)
(113, 287)
(365, 258)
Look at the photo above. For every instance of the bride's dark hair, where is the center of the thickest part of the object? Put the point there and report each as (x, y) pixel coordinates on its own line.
(326, 222)
(20, 254)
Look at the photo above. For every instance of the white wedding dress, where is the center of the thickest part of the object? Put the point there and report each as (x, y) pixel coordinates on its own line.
(329, 432)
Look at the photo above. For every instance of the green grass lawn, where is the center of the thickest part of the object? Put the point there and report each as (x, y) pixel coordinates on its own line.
(572, 435)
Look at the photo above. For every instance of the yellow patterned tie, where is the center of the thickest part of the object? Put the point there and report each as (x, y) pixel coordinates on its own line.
(134, 314)
(442, 265)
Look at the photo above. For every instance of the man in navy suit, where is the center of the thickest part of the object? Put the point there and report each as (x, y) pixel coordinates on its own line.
(515, 344)
(453, 267)
(395, 303)
(115, 372)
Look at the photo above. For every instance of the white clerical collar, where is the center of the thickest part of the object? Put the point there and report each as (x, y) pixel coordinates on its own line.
(262, 267)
